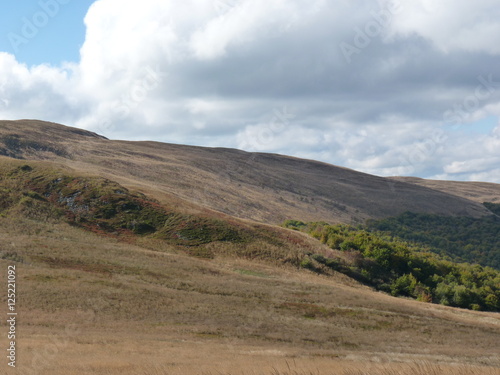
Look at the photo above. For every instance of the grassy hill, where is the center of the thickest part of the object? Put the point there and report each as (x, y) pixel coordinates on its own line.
(112, 301)
(262, 187)
(149, 258)
(45, 192)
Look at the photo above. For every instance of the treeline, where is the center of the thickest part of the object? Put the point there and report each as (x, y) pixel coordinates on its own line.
(462, 239)
(402, 269)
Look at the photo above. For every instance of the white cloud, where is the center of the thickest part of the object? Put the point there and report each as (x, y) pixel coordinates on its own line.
(451, 25)
(272, 76)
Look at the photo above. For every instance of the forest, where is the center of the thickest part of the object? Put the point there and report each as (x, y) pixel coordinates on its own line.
(461, 239)
(401, 268)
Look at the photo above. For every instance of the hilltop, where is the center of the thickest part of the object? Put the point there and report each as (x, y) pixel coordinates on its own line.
(267, 188)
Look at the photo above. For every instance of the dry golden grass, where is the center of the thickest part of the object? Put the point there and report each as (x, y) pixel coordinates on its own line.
(93, 305)
(118, 355)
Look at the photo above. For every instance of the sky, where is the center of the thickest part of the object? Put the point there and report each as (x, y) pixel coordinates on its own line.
(387, 87)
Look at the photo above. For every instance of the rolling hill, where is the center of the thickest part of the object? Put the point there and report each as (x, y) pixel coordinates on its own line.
(263, 187)
(152, 258)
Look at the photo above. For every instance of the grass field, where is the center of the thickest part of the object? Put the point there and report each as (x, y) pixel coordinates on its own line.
(117, 299)
(94, 305)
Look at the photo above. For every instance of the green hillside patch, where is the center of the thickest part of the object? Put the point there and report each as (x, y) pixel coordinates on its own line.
(461, 239)
(403, 269)
(43, 193)
(493, 207)
(104, 207)
(96, 204)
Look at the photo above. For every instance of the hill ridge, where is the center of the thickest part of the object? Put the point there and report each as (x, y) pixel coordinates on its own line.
(259, 186)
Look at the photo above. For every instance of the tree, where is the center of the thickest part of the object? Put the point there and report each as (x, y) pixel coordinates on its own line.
(404, 285)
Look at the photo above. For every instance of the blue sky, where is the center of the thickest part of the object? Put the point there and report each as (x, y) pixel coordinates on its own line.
(57, 37)
(388, 87)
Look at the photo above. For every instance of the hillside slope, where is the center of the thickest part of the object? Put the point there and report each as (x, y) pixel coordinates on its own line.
(123, 267)
(106, 304)
(264, 187)
(475, 191)
(42, 192)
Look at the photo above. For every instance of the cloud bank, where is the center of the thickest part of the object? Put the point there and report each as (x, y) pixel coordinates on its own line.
(388, 87)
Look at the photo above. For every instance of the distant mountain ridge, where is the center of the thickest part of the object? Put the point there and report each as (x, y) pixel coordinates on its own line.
(263, 187)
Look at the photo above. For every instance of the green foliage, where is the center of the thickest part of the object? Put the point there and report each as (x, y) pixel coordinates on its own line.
(105, 207)
(493, 207)
(294, 224)
(403, 269)
(462, 239)
(308, 264)
(404, 285)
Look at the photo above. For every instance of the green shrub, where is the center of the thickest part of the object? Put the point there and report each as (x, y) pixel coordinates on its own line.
(403, 269)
